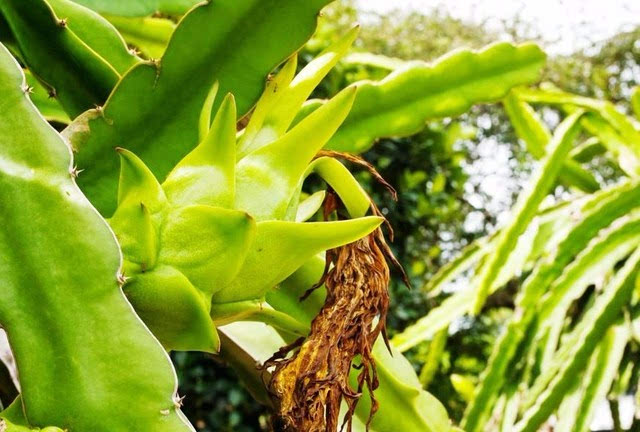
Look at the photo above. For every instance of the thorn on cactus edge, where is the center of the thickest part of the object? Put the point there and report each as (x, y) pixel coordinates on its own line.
(178, 401)
(53, 93)
(62, 22)
(75, 171)
(122, 279)
(27, 89)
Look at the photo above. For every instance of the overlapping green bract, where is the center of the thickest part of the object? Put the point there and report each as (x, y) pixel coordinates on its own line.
(86, 362)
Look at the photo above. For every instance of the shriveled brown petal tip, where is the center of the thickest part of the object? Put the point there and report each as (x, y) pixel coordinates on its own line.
(309, 386)
(310, 378)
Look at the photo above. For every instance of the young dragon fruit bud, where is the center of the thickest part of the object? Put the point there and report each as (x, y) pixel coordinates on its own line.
(227, 224)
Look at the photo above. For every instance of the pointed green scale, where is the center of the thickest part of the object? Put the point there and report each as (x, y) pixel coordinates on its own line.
(292, 94)
(173, 309)
(310, 206)
(138, 184)
(256, 134)
(207, 174)
(282, 247)
(342, 181)
(137, 236)
(336, 175)
(204, 122)
(267, 178)
(207, 244)
(635, 101)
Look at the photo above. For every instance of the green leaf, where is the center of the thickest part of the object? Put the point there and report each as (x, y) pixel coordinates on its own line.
(137, 236)
(138, 184)
(400, 104)
(437, 319)
(599, 211)
(536, 136)
(336, 175)
(571, 402)
(614, 142)
(257, 311)
(138, 8)
(148, 34)
(97, 33)
(600, 256)
(69, 325)
(176, 312)
(510, 412)
(74, 51)
(463, 386)
(527, 206)
(577, 347)
(586, 151)
(605, 367)
(434, 355)
(621, 137)
(13, 420)
(156, 106)
(308, 207)
(255, 135)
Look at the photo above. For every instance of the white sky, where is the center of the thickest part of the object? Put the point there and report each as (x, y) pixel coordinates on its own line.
(566, 24)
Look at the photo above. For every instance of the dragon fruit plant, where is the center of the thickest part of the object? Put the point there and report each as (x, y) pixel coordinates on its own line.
(207, 223)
